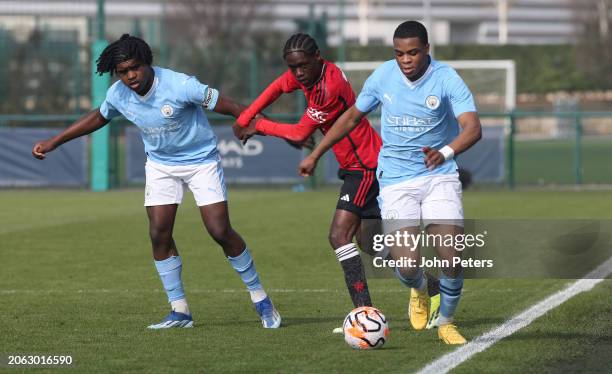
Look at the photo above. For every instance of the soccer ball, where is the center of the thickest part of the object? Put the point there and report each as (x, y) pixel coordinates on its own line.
(365, 328)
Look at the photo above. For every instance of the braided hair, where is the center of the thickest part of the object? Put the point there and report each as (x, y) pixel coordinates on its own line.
(300, 43)
(126, 48)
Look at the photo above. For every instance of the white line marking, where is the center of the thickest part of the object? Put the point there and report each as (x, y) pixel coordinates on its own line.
(453, 359)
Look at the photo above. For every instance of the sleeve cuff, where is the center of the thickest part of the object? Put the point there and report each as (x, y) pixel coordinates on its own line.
(262, 125)
(210, 98)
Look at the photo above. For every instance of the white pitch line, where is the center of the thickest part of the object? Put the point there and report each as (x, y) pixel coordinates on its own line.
(453, 359)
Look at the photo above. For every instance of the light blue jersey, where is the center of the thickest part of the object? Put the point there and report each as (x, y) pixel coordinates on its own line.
(414, 115)
(174, 128)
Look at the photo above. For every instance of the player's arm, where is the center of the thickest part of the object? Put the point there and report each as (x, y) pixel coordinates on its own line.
(282, 84)
(462, 103)
(296, 133)
(229, 107)
(472, 132)
(87, 124)
(343, 125)
(210, 98)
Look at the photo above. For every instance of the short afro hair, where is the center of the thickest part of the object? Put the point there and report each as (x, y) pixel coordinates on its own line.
(411, 29)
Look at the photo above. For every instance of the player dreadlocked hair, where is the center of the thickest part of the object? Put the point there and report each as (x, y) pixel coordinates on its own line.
(411, 29)
(126, 48)
(300, 43)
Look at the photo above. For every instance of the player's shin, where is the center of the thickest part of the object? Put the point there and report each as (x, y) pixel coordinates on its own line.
(450, 293)
(245, 267)
(354, 274)
(170, 274)
(243, 264)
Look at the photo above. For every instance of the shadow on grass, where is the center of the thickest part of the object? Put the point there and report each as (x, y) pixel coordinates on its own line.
(289, 321)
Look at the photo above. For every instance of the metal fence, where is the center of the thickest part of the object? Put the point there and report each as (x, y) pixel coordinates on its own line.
(559, 148)
(539, 149)
(46, 67)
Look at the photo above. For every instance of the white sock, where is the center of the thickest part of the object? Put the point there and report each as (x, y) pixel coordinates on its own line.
(346, 251)
(444, 320)
(180, 306)
(258, 295)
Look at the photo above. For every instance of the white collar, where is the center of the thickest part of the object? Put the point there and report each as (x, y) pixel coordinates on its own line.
(412, 84)
(151, 90)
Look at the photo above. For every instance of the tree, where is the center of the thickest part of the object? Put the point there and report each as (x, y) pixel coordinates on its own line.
(594, 48)
(42, 73)
(214, 39)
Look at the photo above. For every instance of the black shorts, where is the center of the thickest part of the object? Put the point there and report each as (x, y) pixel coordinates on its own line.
(359, 192)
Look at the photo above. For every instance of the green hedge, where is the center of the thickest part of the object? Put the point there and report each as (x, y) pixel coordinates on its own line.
(540, 69)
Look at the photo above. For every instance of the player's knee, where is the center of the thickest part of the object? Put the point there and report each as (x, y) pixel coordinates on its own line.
(220, 233)
(408, 274)
(337, 238)
(160, 236)
(452, 272)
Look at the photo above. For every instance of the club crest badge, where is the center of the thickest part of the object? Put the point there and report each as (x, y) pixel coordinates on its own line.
(392, 214)
(432, 102)
(167, 110)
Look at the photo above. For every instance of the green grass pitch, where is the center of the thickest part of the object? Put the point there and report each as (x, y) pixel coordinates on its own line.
(545, 162)
(77, 278)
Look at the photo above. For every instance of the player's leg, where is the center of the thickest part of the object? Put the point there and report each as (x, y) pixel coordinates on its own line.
(345, 226)
(216, 220)
(412, 275)
(433, 290)
(208, 188)
(163, 193)
(451, 285)
(400, 207)
(371, 211)
(443, 215)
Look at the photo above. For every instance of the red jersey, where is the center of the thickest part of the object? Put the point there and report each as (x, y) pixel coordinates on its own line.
(327, 99)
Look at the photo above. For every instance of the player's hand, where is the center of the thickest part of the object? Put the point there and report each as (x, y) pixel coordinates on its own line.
(307, 166)
(433, 158)
(250, 130)
(244, 118)
(41, 149)
(244, 133)
(237, 131)
(241, 133)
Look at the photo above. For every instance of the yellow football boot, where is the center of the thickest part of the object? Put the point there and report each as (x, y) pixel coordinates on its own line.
(449, 334)
(418, 309)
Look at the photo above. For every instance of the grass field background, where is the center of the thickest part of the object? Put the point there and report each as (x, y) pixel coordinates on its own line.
(77, 277)
(545, 162)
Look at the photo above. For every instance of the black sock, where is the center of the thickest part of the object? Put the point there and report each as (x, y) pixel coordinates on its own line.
(354, 275)
(433, 284)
